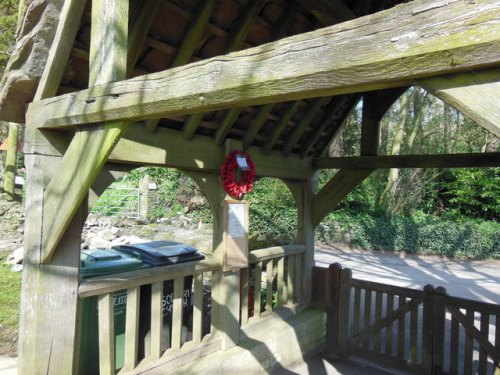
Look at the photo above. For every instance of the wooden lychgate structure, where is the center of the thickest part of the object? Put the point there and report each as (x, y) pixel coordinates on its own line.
(104, 86)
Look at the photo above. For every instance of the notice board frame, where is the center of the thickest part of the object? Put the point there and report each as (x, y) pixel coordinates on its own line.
(235, 235)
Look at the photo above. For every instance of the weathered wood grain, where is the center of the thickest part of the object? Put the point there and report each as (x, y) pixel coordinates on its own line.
(369, 53)
(169, 148)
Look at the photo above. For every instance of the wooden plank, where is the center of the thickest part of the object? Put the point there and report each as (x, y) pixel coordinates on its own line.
(454, 345)
(412, 358)
(344, 306)
(269, 286)
(125, 280)
(141, 24)
(476, 95)
(400, 350)
(281, 125)
(258, 121)
(198, 308)
(483, 355)
(106, 335)
(156, 319)
(290, 277)
(168, 148)
(497, 341)
(228, 121)
(378, 316)
(376, 327)
(331, 112)
(438, 328)
(61, 49)
(367, 312)
(357, 311)
(471, 160)
(281, 281)
(469, 341)
(49, 309)
(176, 329)
(244, 295)
(68, 188)
(257, 289)
(194, 34)
(390, 328)
(467, 321)
(275, 252)
(350, 57)
(132, 328)
(333, 308)
(386, 288)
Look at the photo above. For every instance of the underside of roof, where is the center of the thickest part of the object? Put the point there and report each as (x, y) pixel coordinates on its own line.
(165, 34)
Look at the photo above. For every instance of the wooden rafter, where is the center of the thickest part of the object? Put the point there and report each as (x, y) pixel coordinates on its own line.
(186, 51)
(236, 42)
(89, 149)
(301, 127)
(331, 112)
(389, 58)
(281, 126)
(473, 160)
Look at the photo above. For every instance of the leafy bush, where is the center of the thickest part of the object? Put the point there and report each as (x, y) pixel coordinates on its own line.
(419, 234)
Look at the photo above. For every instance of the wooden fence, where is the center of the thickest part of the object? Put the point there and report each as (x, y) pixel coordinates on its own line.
(420, 331)
(277, 270)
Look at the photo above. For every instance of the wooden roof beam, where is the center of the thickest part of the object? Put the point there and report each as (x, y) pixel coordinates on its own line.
(350, 57)
(472, 160)
(168, 148)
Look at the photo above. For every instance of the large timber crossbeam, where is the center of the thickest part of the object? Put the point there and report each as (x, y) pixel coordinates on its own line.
(374, 52)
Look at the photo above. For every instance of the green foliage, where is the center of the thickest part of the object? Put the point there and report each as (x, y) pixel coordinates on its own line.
(272, 210)
(10, 287)
(8, 21)
(476, 192)
(418, 234)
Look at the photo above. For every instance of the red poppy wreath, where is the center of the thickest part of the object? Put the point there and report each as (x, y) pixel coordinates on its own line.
(237, 174)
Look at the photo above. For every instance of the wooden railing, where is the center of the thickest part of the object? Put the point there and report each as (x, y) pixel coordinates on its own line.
(424, 332)
(105, 289)
(275, 271)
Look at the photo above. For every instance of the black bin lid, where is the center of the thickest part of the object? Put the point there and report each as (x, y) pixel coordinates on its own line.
(162, 253)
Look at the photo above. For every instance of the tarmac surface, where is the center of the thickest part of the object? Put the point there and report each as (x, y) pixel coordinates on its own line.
(478, 280)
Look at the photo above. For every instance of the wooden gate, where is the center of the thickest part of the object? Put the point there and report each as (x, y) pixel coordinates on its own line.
(420, 331)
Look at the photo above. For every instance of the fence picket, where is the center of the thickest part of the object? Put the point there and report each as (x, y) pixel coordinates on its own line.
(401, 329)
(390, 327)
(378, 316)
(483, 355)
(132, 328)
(198, 308)
(454, 343)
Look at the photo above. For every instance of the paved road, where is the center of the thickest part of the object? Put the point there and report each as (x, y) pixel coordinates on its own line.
(479, 280)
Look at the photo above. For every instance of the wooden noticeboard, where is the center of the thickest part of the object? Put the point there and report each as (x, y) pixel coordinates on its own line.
(235, 235)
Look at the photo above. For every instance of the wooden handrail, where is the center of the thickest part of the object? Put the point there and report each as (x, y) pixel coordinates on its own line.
(274, 252)
(132, 279)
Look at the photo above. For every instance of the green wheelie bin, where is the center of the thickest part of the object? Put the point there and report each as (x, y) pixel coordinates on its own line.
(96, 263)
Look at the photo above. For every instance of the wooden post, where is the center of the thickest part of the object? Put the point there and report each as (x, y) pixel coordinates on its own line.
(333, 312)
(9, 182)
(344, 304)
(49, 300)
(225, 285)
(144, 197)
(303, 192)
(438, 329)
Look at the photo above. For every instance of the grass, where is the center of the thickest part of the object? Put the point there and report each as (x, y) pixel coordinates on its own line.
(10, 286)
